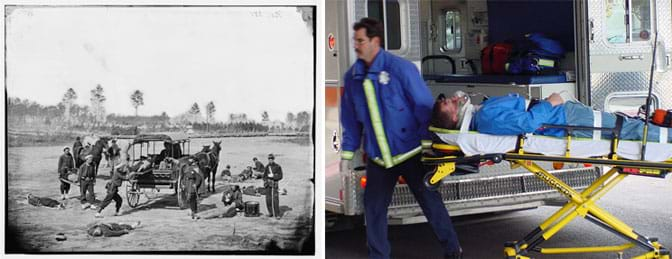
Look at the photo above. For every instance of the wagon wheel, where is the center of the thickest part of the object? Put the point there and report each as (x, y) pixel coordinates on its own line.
(133, 195)
(430, 186)
(181, 197)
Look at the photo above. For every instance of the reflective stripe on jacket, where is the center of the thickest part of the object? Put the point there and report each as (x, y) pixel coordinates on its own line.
(403, 104)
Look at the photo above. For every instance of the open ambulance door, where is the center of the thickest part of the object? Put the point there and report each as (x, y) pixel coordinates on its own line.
(615, 40)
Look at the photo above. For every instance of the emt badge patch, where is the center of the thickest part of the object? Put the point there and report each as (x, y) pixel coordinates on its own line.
(384, 78)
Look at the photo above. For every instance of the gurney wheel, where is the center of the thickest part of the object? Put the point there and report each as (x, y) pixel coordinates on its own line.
(431, 187)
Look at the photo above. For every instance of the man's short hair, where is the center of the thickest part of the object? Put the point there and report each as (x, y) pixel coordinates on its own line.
(97, 231)
(373, 28)
(441, 119)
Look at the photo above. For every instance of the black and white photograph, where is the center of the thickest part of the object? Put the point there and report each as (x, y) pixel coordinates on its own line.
(170, 129)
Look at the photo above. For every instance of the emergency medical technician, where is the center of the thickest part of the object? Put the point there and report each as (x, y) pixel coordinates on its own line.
(388, 104)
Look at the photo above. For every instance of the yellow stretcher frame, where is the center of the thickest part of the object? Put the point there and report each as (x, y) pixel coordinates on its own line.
(579, 203)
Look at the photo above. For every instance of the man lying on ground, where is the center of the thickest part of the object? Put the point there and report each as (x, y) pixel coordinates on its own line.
(233, 202)
(44, 201)
(513, 115)
(111, 229)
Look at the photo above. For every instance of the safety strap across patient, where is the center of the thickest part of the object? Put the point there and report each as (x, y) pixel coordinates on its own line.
(597, 123)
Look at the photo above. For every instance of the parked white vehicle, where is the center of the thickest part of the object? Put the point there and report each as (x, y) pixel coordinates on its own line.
(608, 56)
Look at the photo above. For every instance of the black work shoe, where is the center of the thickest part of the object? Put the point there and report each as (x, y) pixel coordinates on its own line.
(454, 255)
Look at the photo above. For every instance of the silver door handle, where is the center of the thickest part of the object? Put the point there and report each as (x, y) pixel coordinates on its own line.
(631, 57)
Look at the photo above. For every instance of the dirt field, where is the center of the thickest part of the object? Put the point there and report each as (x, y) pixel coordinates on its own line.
(164, 226)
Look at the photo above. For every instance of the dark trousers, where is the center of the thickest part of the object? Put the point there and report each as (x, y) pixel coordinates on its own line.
(86, 191)
(272, 201)
(65, 187)
(192, 198)
(112, 194)
(380, 184)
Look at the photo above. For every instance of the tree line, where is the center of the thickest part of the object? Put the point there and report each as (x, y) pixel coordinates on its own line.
(23, 113)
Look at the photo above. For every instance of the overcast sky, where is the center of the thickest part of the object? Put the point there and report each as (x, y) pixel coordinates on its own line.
(245, 59)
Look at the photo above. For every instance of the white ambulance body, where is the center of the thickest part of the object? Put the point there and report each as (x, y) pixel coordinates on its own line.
(607, 65)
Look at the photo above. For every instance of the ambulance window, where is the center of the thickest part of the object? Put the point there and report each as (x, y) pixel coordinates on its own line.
(641, 20)
(453, 37)
(628, 21)
(628, 102)
(391, 19)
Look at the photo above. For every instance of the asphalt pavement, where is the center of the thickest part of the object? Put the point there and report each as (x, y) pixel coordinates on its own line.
(643, 203)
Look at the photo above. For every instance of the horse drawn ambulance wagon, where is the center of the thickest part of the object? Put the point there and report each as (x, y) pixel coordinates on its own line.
(157, 170)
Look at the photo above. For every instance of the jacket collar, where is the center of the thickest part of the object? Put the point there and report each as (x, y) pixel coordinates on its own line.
(360, 70)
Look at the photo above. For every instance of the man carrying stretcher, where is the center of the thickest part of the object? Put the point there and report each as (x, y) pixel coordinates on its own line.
(514, 115)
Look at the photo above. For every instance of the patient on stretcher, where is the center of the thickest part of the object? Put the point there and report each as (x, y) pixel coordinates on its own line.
(514, 115)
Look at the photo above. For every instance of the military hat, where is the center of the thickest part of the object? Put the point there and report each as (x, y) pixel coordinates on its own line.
(271, 156)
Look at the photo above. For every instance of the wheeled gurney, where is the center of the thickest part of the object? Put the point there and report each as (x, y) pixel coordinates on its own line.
(454, 148)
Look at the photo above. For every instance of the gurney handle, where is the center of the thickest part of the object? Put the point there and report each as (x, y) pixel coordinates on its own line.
(572, 128)
(496, 158)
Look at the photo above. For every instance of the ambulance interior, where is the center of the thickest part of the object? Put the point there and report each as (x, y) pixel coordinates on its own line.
(458, 31)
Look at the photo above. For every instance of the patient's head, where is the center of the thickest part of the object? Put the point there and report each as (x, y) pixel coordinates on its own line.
(448, 110)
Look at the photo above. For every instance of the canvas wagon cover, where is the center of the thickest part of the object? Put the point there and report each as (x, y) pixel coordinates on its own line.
(168, 137)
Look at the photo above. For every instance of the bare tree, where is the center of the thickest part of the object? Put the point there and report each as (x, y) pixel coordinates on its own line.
(98, 103)
(303, 120)
(68, 99)
(209, 113)
(264, 116)
(290, 119)
(195, 112)
(137, 99)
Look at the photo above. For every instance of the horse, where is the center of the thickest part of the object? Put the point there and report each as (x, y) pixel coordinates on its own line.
(208, 162)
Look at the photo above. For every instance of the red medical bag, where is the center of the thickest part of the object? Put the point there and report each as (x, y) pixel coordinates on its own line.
(494, 57)
(662, 118)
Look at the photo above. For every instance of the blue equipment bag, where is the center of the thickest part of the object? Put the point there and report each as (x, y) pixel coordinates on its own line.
(535, 54)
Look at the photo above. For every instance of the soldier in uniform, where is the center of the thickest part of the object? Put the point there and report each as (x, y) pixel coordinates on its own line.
(272, 175)
(87, 179)
(112, 186)
(234, 196)
(233, 203)
(258, 165)
(111, 229)
(258, 169)
(193, 182)
(114, 153)
(44, 201)
(245, 174)
(226, 172)
(66, 163)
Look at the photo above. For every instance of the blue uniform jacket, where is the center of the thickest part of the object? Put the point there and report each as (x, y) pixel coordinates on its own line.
(507, 115)
(404, 102)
